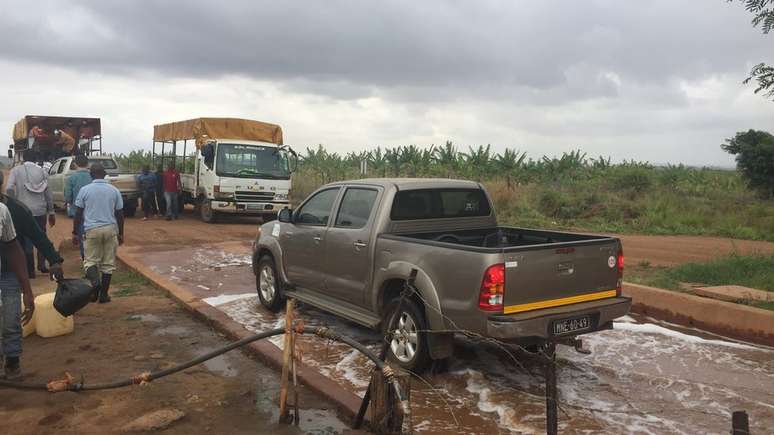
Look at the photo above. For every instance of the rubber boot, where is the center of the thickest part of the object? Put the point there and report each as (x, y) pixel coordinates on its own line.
(104, 297)
(12, 368)
(92, 274)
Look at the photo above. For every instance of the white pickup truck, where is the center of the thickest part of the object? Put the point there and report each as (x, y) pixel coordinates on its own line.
(126, 183)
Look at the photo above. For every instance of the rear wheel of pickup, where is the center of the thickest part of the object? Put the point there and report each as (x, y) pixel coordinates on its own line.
(267, 284)
(407, 337)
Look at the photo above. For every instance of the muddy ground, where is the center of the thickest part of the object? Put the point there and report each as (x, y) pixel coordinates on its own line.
(144, 330)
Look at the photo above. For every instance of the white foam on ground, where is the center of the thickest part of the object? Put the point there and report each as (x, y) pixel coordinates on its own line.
(477, 384)
(650, 328)
(224, 299)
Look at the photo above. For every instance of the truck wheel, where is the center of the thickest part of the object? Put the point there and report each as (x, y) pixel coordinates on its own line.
(205, 211)
(408, 340)
(267, 284)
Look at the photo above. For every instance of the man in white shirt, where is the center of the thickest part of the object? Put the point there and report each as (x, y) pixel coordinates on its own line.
(13, 317)
(28, 183)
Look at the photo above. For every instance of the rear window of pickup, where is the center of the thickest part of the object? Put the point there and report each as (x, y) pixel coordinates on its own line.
(439, 203)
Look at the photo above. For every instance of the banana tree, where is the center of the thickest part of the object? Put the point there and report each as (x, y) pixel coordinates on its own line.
(508, 163)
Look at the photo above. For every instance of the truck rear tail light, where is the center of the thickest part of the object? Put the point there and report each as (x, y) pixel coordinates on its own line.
(620, 263)
(216, 188)
(492, 288)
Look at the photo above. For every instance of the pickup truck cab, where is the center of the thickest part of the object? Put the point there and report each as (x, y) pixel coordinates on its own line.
(350, 247)
(126, 183)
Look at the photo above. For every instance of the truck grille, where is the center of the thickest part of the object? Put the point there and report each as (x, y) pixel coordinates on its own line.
(250, 196)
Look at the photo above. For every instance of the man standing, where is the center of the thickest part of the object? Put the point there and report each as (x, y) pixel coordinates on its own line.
(160, 190)
(29, 184)
(65, 142)
(73, 185)
(147, 182)
(13, 318)
(11, 285)
(172, 188)
(99, 208)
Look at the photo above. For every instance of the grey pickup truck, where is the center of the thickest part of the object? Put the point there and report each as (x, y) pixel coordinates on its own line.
(350, 247)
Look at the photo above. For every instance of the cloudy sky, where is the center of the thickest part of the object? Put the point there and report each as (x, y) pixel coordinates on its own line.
(655, 80)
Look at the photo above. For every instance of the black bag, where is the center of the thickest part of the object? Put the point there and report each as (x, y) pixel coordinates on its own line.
(72, 295)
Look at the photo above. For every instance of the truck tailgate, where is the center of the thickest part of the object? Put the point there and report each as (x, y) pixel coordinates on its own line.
(560, 274)
(123, 182)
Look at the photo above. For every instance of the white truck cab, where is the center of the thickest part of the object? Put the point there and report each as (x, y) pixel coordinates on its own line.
(239, 166)
(239, 176)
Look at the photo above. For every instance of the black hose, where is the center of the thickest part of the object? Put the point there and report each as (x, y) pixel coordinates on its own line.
(150, 376)
(319, 331)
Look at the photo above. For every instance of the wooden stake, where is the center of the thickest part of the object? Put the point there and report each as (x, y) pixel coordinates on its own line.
(286, 360)
(386, 412)
(552, 421)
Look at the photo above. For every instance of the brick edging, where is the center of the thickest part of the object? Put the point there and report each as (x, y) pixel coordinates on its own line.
(347, 401)
(742, 322)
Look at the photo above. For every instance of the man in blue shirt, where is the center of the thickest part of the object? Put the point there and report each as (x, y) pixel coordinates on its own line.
(147, 182)
(99, 208)
(73, 185)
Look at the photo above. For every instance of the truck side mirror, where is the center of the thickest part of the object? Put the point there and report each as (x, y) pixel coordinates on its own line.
(285, 215)
(10, 154)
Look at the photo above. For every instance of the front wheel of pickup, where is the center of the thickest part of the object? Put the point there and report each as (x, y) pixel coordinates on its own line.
(407, 336)
(268, 284)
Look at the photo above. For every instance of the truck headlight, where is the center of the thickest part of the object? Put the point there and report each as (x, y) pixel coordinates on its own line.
(224, 195)
(281, 197)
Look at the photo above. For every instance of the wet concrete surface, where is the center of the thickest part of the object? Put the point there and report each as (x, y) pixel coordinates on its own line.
(642, 377)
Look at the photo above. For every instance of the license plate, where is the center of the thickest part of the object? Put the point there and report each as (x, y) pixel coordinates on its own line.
(566, 326)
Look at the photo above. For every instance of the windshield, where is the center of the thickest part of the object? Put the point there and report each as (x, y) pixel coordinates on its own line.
(108, 164)
(250, 161)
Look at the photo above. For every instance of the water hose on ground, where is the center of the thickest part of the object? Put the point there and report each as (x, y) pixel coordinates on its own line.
(68, 384)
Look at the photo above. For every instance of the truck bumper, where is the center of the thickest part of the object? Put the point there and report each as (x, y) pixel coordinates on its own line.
(539, 323)
(248, 208)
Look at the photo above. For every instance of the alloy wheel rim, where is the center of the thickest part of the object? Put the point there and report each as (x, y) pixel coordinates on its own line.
(404, 338)
(266, 283)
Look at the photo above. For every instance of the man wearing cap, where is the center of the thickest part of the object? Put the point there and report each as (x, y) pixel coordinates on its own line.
(100, 208)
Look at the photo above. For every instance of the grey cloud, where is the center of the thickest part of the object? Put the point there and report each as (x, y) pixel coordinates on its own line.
(465, 46)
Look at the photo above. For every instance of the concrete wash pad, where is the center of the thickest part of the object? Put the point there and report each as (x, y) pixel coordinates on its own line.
(642, 377)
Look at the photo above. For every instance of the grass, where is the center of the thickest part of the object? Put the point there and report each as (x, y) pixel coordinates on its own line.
(127, 282)
(755, 271)
(620, 199)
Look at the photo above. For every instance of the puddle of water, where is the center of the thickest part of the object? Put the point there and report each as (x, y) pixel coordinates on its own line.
(311, 420)
(173, 330)
(145, 318)
(219, 364)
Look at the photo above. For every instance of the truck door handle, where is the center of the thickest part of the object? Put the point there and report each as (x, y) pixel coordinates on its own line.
(360, 244)
(317, 239)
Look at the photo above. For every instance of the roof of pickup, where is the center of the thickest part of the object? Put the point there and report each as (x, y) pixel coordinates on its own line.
(415, 183)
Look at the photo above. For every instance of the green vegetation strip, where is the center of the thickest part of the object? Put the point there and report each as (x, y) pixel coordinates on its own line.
(755, 271)
(571, 191)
